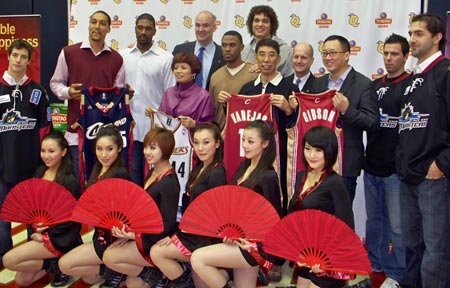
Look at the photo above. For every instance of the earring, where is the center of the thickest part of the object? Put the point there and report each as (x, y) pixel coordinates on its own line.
(193, 76)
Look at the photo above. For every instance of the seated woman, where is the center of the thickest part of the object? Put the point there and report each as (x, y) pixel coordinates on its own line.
(320, 187)
(256, 173)
(133, 257)
(186, 100)
(86, 260)
(33, 259)
(209, 174)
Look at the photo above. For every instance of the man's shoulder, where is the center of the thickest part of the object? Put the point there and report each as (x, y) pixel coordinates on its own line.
(184, 47)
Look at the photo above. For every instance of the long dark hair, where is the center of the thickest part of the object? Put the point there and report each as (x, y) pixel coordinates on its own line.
(213, 127)
(65, 168)
(266, 132)
(114, 133)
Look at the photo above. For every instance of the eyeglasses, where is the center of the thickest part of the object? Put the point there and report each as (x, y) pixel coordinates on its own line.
(270, 55)
(331, 53)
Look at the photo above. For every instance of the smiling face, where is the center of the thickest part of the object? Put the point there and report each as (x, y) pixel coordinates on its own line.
(253, 144)
(338, 63)
(261, 26)
(106, 151)
(51, 153)
(205, 146)
(302, 59)
(183, 72)
(315, 157)
(267, 59)
(98, 27)
(153, 153)
(204, 28)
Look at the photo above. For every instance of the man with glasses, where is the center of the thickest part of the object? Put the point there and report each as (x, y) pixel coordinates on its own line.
(209, 53)
(355, 100)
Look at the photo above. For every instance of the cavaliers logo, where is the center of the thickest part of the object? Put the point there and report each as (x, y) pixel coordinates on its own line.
(116, 22)
(162, 44)
(239, 21)
(295, 20)
(383, 21)
(353, 20)
(324, 21)
(163, 23)
(380, 47)
(115, 44)
(187, 22)
(354, 47)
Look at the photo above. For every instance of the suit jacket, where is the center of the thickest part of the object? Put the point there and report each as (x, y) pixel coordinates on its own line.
(218, 61)
(362, 114)
(307, 88)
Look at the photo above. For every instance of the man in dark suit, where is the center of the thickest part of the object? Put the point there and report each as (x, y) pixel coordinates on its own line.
(302, 59)
(204, 47)
(356, 101)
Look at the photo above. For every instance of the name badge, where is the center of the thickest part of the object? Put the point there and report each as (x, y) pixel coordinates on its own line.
(5, 99)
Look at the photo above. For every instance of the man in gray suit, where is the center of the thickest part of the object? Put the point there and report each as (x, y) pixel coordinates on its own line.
(356, 101)
(204, 47)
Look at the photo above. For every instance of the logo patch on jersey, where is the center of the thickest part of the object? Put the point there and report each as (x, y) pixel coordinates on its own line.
(387, 121)
(415, 83)
(35, 96)
(412, 120)
(13, 121)
(381, 92)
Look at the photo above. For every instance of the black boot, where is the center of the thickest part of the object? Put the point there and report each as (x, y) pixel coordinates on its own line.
(185, 280)
(151, 275)
(112, 278)
(51, 265)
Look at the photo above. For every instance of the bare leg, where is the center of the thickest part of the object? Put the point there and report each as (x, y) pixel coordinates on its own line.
(125, 259)
(165, 257)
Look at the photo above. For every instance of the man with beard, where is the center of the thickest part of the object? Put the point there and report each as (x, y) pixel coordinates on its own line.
(230, 78)
(148, 71)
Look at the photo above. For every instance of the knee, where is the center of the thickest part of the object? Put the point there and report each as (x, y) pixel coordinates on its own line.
(65, 265)
(156, 253)
(10, 261)
(196, 261)
(108, 258)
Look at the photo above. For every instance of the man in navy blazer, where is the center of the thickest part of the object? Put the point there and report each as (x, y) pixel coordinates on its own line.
(302, 59)
(205, 25)
(356, 101)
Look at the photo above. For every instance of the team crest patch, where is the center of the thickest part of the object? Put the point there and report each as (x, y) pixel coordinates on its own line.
(13, 120)
(35, 96)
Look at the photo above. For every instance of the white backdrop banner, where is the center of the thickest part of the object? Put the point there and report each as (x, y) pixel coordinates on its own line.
(365, 23)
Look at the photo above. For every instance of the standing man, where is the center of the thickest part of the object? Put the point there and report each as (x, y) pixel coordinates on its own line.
(230, 78)
(85, 64)
(423, 158)
(355, 100)
(381, 184)
(148, 71)
(209, 53)
(262, 23)
(302, 59)
(24, 121)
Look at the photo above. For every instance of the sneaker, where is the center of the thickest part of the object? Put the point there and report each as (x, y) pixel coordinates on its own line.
(60, 280)
(390, 283)
(366, 283)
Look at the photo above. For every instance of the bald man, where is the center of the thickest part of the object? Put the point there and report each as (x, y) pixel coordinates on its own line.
(302, 59)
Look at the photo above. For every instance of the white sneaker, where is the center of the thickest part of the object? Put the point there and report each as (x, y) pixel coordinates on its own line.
(390, 283)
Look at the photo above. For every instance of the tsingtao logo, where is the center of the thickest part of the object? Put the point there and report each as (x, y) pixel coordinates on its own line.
(383, 21)
(324, 21)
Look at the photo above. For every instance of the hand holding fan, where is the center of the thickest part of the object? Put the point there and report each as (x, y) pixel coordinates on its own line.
(38, 201)
(230, 211)
(117, 202)
(315, 237)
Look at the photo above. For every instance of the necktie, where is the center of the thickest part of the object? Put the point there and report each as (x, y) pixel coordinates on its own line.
(199, 78)
(297, 82)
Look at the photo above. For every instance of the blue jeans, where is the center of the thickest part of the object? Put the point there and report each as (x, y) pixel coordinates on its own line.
(137, 163)
(382, 195)
(350, 184)
(6, 243)
(426, 233)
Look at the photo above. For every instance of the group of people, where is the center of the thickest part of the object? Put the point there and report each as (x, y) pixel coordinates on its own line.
(406, 159)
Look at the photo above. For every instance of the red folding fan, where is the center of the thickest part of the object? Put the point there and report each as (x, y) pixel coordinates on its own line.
(230, 211)
(38, 201)
(315, 237)
(118, 202)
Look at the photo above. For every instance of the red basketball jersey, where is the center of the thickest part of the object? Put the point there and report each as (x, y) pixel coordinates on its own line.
(314, 110)
(241, 110)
